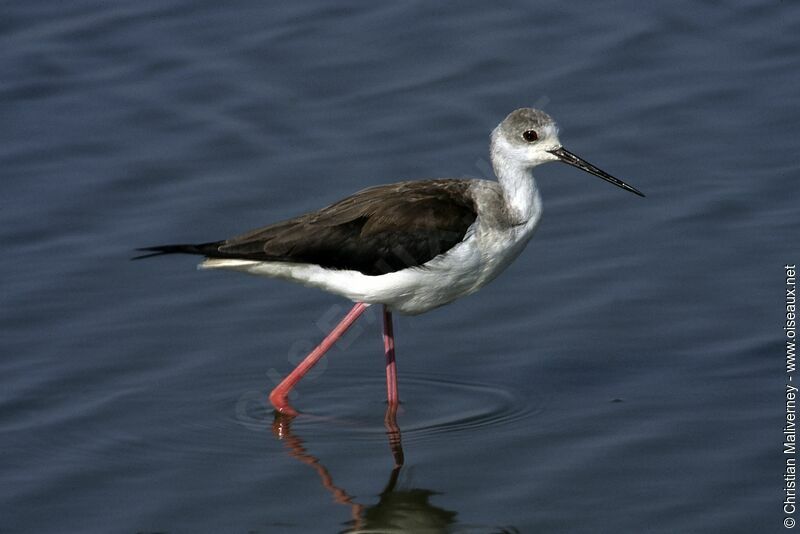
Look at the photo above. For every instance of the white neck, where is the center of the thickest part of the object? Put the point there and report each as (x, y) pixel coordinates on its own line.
(519, 188)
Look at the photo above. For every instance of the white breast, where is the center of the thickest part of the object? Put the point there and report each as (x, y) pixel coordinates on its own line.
(507, 218)
(487, 249)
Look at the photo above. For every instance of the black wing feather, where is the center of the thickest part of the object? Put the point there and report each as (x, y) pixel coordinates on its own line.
(378, 230)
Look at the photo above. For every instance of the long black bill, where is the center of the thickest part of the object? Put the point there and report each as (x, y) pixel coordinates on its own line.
(568, 157)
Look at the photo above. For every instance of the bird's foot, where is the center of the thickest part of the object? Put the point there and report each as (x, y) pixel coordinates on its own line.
(279, 400)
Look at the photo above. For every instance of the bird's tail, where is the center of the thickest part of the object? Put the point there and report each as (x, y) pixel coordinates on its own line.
(202, 249)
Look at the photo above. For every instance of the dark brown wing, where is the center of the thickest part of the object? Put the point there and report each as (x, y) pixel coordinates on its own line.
(375, 231)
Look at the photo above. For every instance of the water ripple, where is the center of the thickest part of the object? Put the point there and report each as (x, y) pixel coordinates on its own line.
(433, 406)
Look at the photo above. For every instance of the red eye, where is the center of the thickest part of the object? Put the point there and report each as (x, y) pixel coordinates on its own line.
(530, 135)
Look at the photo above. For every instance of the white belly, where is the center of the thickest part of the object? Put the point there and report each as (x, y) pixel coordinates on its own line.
(462, 270)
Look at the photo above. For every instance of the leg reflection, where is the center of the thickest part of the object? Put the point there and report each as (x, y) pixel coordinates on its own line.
(282, 429)
(393, 433)
(397, 509)
(362, 516)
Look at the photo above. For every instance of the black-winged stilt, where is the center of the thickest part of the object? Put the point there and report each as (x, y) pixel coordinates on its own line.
(409, 246)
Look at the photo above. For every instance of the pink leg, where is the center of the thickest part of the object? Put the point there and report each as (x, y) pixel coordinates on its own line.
(391, 368)
(279, 395)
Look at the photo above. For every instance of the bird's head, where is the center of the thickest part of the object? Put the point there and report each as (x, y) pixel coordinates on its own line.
(528, 137)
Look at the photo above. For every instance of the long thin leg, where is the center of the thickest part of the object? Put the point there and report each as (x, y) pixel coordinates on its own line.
(393, 433)
(391, 367)
(279, 395)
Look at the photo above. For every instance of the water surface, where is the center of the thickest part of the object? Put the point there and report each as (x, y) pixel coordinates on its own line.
(624, 375)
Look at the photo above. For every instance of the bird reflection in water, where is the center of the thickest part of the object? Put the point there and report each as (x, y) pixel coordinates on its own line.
(397, 510)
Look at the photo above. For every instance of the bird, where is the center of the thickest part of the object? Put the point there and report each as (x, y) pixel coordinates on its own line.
(409, 246)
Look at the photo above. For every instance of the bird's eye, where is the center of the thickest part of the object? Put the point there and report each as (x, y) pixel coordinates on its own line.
(530, 135)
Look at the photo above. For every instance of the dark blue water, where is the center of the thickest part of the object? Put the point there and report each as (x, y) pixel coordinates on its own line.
(624, 375)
